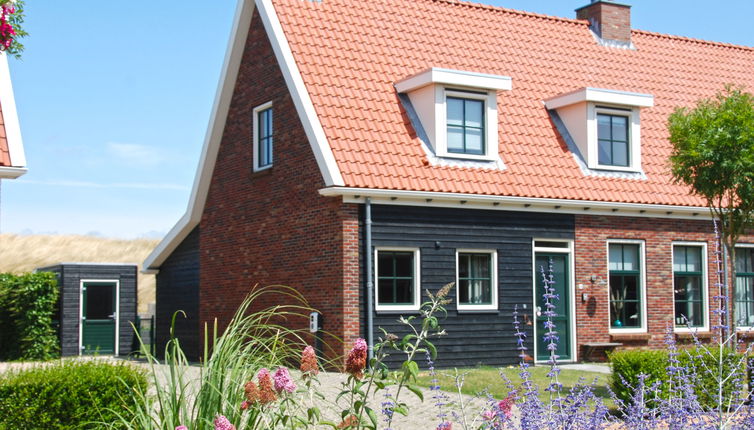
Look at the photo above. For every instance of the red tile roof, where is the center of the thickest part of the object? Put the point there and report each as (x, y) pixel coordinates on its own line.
(351, 53)
(4, 150)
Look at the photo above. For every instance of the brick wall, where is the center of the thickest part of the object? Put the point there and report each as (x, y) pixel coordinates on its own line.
(613, 20)
(272, 227)
(592, 233)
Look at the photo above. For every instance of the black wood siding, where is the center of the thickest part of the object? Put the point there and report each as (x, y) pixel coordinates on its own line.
(178, 289)
(69, 281)
(473, 337)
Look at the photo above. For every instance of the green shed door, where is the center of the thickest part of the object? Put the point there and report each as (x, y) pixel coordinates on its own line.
(98, 317)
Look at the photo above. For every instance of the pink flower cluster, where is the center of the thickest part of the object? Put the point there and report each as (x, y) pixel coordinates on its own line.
(283, 381)
(222, 423)
(357, 358)
(6, 29)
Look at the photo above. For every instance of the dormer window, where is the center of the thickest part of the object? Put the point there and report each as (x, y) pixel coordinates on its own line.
(465, 125)
(457, 111)
(605, 126)
(613, 140)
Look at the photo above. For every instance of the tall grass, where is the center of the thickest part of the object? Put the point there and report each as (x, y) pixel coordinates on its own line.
(252, 340)
(24, 253)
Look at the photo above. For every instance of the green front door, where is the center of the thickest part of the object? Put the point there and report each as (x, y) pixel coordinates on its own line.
(98, 317)
(561, 276)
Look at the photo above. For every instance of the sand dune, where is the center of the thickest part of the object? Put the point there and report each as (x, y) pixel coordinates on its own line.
(24, 253)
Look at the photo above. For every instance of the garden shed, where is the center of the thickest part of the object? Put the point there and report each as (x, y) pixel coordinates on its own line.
(97, 307)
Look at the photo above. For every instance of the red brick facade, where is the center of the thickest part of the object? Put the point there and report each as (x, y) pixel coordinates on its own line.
(658, 235)
(273, 227)
(613, 20)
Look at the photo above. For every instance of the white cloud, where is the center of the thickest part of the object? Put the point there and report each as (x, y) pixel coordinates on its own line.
(85, 184)
(135, 154)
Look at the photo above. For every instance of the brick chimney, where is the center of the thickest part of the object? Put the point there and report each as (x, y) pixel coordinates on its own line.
(609, 20)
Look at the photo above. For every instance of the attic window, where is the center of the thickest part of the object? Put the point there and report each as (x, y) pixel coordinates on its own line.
(457, 111)
(605, 126)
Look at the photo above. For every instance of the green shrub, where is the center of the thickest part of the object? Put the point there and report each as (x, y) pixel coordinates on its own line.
(702, 363)
(629, 364)
(69, 395)
(27, 305)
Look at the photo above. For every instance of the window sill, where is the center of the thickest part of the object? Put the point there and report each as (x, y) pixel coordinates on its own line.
(394, 311)
(466, 157)
(262, 172)
(629, 337)
(615, 169)
(477, 311)
(689, 335)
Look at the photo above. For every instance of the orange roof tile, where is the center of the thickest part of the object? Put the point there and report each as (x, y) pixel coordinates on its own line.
(351, 53)
(4, 150)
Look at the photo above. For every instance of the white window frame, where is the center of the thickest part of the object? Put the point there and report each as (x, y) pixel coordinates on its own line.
(740, 327)
(634, 136)
(417, 280)
(705, 288)
(490, 121)
(493, 281)
(643, 287)
(255, 132)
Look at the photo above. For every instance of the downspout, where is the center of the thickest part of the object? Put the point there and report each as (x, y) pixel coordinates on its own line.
(370, 284)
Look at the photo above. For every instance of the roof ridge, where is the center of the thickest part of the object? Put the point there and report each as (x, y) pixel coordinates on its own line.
(691, 39)
(473, 4)
(512, 11)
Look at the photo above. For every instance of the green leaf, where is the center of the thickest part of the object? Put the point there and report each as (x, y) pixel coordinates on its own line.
(416, 390)
(372, 417)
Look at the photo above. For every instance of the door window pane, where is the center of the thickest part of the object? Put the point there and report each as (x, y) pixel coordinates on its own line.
(100, 301)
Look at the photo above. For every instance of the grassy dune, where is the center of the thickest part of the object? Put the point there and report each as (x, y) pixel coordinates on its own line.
(24, 253)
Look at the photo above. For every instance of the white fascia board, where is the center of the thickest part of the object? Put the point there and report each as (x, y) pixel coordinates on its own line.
(458, 78)
(11, 172)
(10, 115)
(510, 203)
(600, 95)
(301, 99)
(203, 177)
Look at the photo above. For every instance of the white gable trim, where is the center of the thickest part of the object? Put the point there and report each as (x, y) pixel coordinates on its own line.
(304, 107)
(12, 127)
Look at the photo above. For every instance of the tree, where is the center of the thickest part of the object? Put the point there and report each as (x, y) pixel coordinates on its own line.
(713, 153)
(11, 18)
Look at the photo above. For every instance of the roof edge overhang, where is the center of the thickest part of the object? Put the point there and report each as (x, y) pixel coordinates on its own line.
(511, 203)
(301, 99)
(600, 95)
(10, 117)
(435, 75)
(11, 172)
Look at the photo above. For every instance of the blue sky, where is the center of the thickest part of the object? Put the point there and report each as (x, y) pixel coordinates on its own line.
(114, 100)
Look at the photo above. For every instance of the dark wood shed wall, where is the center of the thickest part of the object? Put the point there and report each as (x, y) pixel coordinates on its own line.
(69, 280)
(472, 337)
(178, 289)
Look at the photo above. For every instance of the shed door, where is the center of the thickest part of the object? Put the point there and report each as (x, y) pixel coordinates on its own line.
(98, 317)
